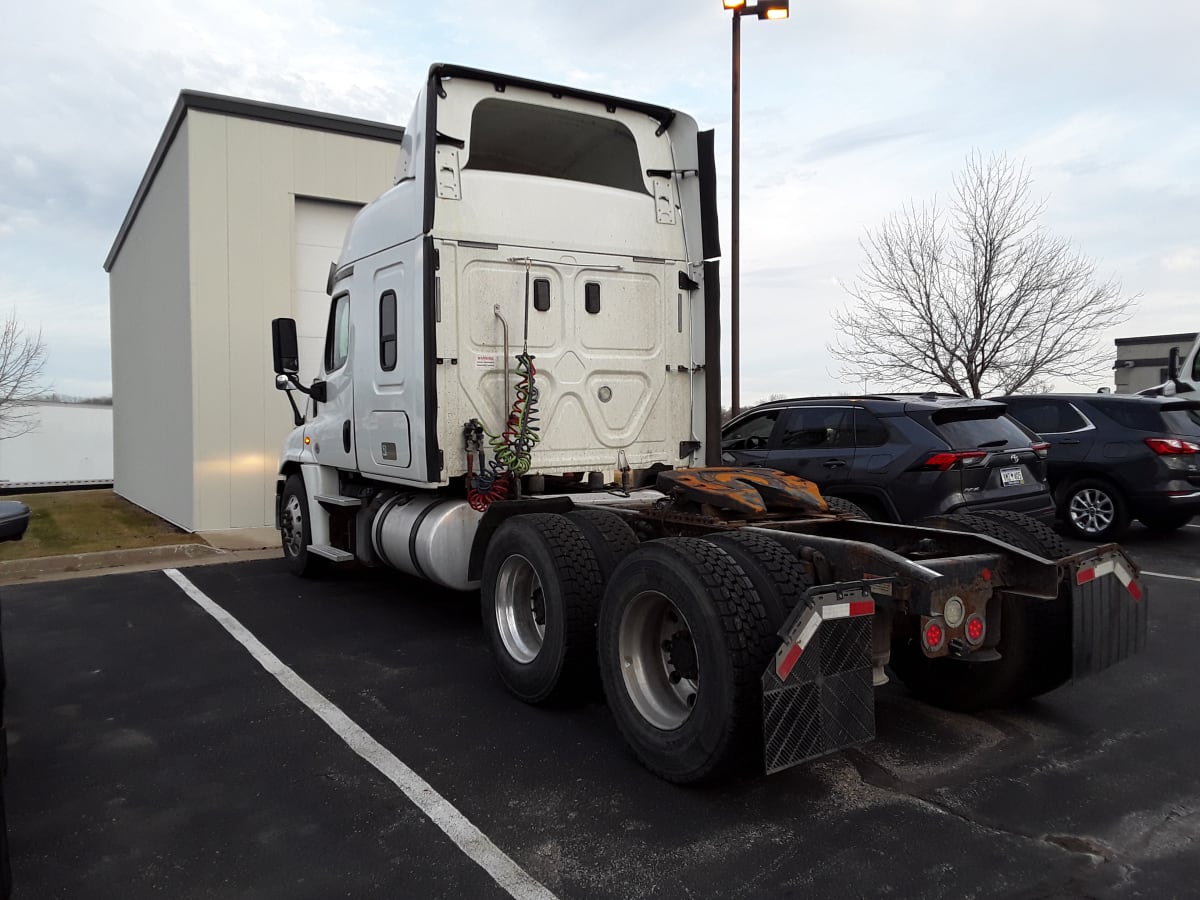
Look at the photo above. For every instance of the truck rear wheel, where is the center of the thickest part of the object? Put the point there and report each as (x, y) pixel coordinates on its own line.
(611, 536)
(295, 531)
(683, 643)
(1050, 545)
(777, 577)
(541, 586)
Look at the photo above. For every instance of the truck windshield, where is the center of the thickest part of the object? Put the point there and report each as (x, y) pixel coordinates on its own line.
(527, 139)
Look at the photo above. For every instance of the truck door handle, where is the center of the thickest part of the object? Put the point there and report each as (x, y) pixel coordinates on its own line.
(346, 435)
(834, 463)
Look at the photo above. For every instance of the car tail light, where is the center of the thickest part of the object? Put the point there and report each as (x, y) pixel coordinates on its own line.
(933, 636)
(946, 460)
(1172, 446)
(1042, 450)
(975, 629)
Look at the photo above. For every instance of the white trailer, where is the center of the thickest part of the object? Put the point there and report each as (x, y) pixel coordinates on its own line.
(518, 394)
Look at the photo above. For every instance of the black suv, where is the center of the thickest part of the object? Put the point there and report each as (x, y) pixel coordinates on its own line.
(1115, 457)
(900, 457)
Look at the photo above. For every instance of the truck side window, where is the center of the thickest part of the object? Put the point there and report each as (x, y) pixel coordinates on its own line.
(337, 338)
(387, 331)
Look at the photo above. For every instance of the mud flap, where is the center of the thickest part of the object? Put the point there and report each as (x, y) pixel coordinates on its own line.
(1108, 613)
(817, 691)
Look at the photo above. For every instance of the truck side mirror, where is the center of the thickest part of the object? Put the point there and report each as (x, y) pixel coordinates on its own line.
(284, 349)
(1173, 364)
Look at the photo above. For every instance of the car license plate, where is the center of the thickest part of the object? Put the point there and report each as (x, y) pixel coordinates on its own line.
(1011, 476)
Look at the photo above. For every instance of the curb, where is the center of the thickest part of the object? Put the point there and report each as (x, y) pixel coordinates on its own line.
(16, 570)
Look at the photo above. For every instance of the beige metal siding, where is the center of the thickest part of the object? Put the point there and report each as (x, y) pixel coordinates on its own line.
(245, 178)
(152, 349)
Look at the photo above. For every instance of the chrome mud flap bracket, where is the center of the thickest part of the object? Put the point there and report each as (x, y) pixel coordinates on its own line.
(817, 691)
(1108, 612)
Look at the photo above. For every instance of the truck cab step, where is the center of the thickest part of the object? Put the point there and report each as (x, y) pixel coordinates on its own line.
(345, 502)
(333, 554)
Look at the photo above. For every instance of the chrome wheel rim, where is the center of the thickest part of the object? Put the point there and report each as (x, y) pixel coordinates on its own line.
(659, 663)
(292, 523)
(520, 609)
(1092, 511)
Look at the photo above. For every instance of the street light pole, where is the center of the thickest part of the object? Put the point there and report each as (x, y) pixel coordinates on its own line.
(764, 9)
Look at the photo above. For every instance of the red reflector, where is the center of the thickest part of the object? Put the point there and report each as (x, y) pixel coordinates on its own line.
(862, 608)
(934, 636)
(987, 574)
(975, 629)
(789, 662)
(1135, 589)
(1084, 576)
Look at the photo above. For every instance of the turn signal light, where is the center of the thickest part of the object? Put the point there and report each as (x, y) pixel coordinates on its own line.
(1172, 446)
(975, 629)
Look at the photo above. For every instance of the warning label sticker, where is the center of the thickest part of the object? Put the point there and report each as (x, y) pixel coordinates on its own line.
(485, 361)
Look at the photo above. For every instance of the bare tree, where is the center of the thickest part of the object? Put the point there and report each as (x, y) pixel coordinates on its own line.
(979, 299)
(22, 356)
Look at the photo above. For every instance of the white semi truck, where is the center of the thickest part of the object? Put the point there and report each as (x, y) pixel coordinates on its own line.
(1183, 377)
(518, 395)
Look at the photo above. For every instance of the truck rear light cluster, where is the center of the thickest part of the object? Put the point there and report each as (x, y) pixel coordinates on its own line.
(1172, 446)
(975, 630)
(933, 636)
(949, 459)
(1042, 450)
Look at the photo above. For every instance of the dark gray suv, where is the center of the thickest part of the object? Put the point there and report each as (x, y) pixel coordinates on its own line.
(1116, 457)
(900, 457)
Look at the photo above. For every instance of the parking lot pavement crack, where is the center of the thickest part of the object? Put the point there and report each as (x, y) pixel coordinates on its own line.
(876, 776)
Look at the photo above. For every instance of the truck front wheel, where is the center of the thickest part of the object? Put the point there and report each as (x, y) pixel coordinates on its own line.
(294, 529)
(682, 650)
(541, 586)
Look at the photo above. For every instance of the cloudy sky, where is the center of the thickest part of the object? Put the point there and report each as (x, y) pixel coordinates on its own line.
(851, 108)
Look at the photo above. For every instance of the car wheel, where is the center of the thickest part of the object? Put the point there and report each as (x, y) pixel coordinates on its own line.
(838, 505)
(1164, 522)
(1094, 510)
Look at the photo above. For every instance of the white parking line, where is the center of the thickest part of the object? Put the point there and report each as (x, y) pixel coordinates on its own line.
(1173, 577)
(474, 843)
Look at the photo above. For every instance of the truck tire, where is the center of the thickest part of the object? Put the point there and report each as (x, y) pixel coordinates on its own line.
(837, 504)
(1093, 510)
(295, 531)
(777, 576)
(1050, 545)
(683, 644)
(610, 535)
(540, 591)
(1035, 639)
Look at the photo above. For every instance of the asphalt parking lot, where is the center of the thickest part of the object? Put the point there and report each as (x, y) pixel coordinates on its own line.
(152, 754)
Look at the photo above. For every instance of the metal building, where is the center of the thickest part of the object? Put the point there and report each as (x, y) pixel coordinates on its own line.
(240, 213)
(1142, 361)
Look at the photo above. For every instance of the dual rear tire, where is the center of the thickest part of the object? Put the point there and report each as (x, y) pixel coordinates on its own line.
(677, 631)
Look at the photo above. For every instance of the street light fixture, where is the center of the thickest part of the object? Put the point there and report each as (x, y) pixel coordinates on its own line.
(764, 9)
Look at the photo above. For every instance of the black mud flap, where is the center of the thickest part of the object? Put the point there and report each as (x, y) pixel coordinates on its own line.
(1108, 612)
(817, 691)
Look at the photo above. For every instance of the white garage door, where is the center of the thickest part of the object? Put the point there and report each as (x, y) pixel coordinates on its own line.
(320, 229)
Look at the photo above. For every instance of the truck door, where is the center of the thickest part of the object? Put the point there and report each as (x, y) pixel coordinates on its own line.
(332, 430)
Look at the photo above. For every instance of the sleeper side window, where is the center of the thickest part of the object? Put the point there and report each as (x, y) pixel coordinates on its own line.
(387, 331)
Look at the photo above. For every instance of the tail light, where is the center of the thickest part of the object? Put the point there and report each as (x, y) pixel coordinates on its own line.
(1172, 446)
(975, 630)
(949, 459)
(933, 635)
(1042, 450)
